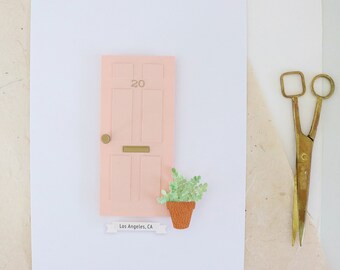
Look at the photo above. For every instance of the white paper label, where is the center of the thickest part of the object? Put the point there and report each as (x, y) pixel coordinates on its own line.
(115, 227)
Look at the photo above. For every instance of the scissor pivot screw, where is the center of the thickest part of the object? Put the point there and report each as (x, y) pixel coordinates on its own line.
(304, 156)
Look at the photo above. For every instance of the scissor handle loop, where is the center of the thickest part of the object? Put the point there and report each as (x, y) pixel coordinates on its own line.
(303, 83)
(331, 82)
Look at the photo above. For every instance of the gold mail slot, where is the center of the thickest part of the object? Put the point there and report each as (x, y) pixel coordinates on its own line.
(136, 149)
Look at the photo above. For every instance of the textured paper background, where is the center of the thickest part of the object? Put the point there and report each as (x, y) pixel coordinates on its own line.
(14, 157)
(281, 38)
(269, 198)
(15, 252)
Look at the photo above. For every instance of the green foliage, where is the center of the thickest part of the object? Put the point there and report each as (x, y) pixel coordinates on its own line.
(183, 190)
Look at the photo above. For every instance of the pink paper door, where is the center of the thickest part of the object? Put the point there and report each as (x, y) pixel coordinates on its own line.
(137, 114)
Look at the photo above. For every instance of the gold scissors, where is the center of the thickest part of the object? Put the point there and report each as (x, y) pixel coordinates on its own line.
(304, 148)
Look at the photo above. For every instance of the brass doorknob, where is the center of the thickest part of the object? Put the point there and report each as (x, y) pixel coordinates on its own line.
(106, 138)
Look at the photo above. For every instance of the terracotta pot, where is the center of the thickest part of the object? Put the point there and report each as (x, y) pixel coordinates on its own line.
(180, 213)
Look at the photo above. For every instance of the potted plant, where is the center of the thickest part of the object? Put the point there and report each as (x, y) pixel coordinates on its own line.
(182, 197)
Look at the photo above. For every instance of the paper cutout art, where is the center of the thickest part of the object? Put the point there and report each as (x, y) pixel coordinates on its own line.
(115, 227)
(182, 197)
(137, 126)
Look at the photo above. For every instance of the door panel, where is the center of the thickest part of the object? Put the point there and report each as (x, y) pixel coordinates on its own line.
(122, 114)
(150, 177)
(122, 70)
(152, 117)
(120, 178)
(153, 71)
(137, 109)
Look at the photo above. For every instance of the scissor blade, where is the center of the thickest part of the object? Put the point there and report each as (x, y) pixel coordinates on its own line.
(295, 223)
(302, 217)
(303, 167)
(301, 230)
(302, 208)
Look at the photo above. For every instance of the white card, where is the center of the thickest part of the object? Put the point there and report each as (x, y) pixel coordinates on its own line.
(208, 39)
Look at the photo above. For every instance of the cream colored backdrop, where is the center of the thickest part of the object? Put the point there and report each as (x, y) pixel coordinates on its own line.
(15, 251)
(282, 35)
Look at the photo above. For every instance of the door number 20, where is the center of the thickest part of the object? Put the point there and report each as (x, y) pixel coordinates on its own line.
(137, 83)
